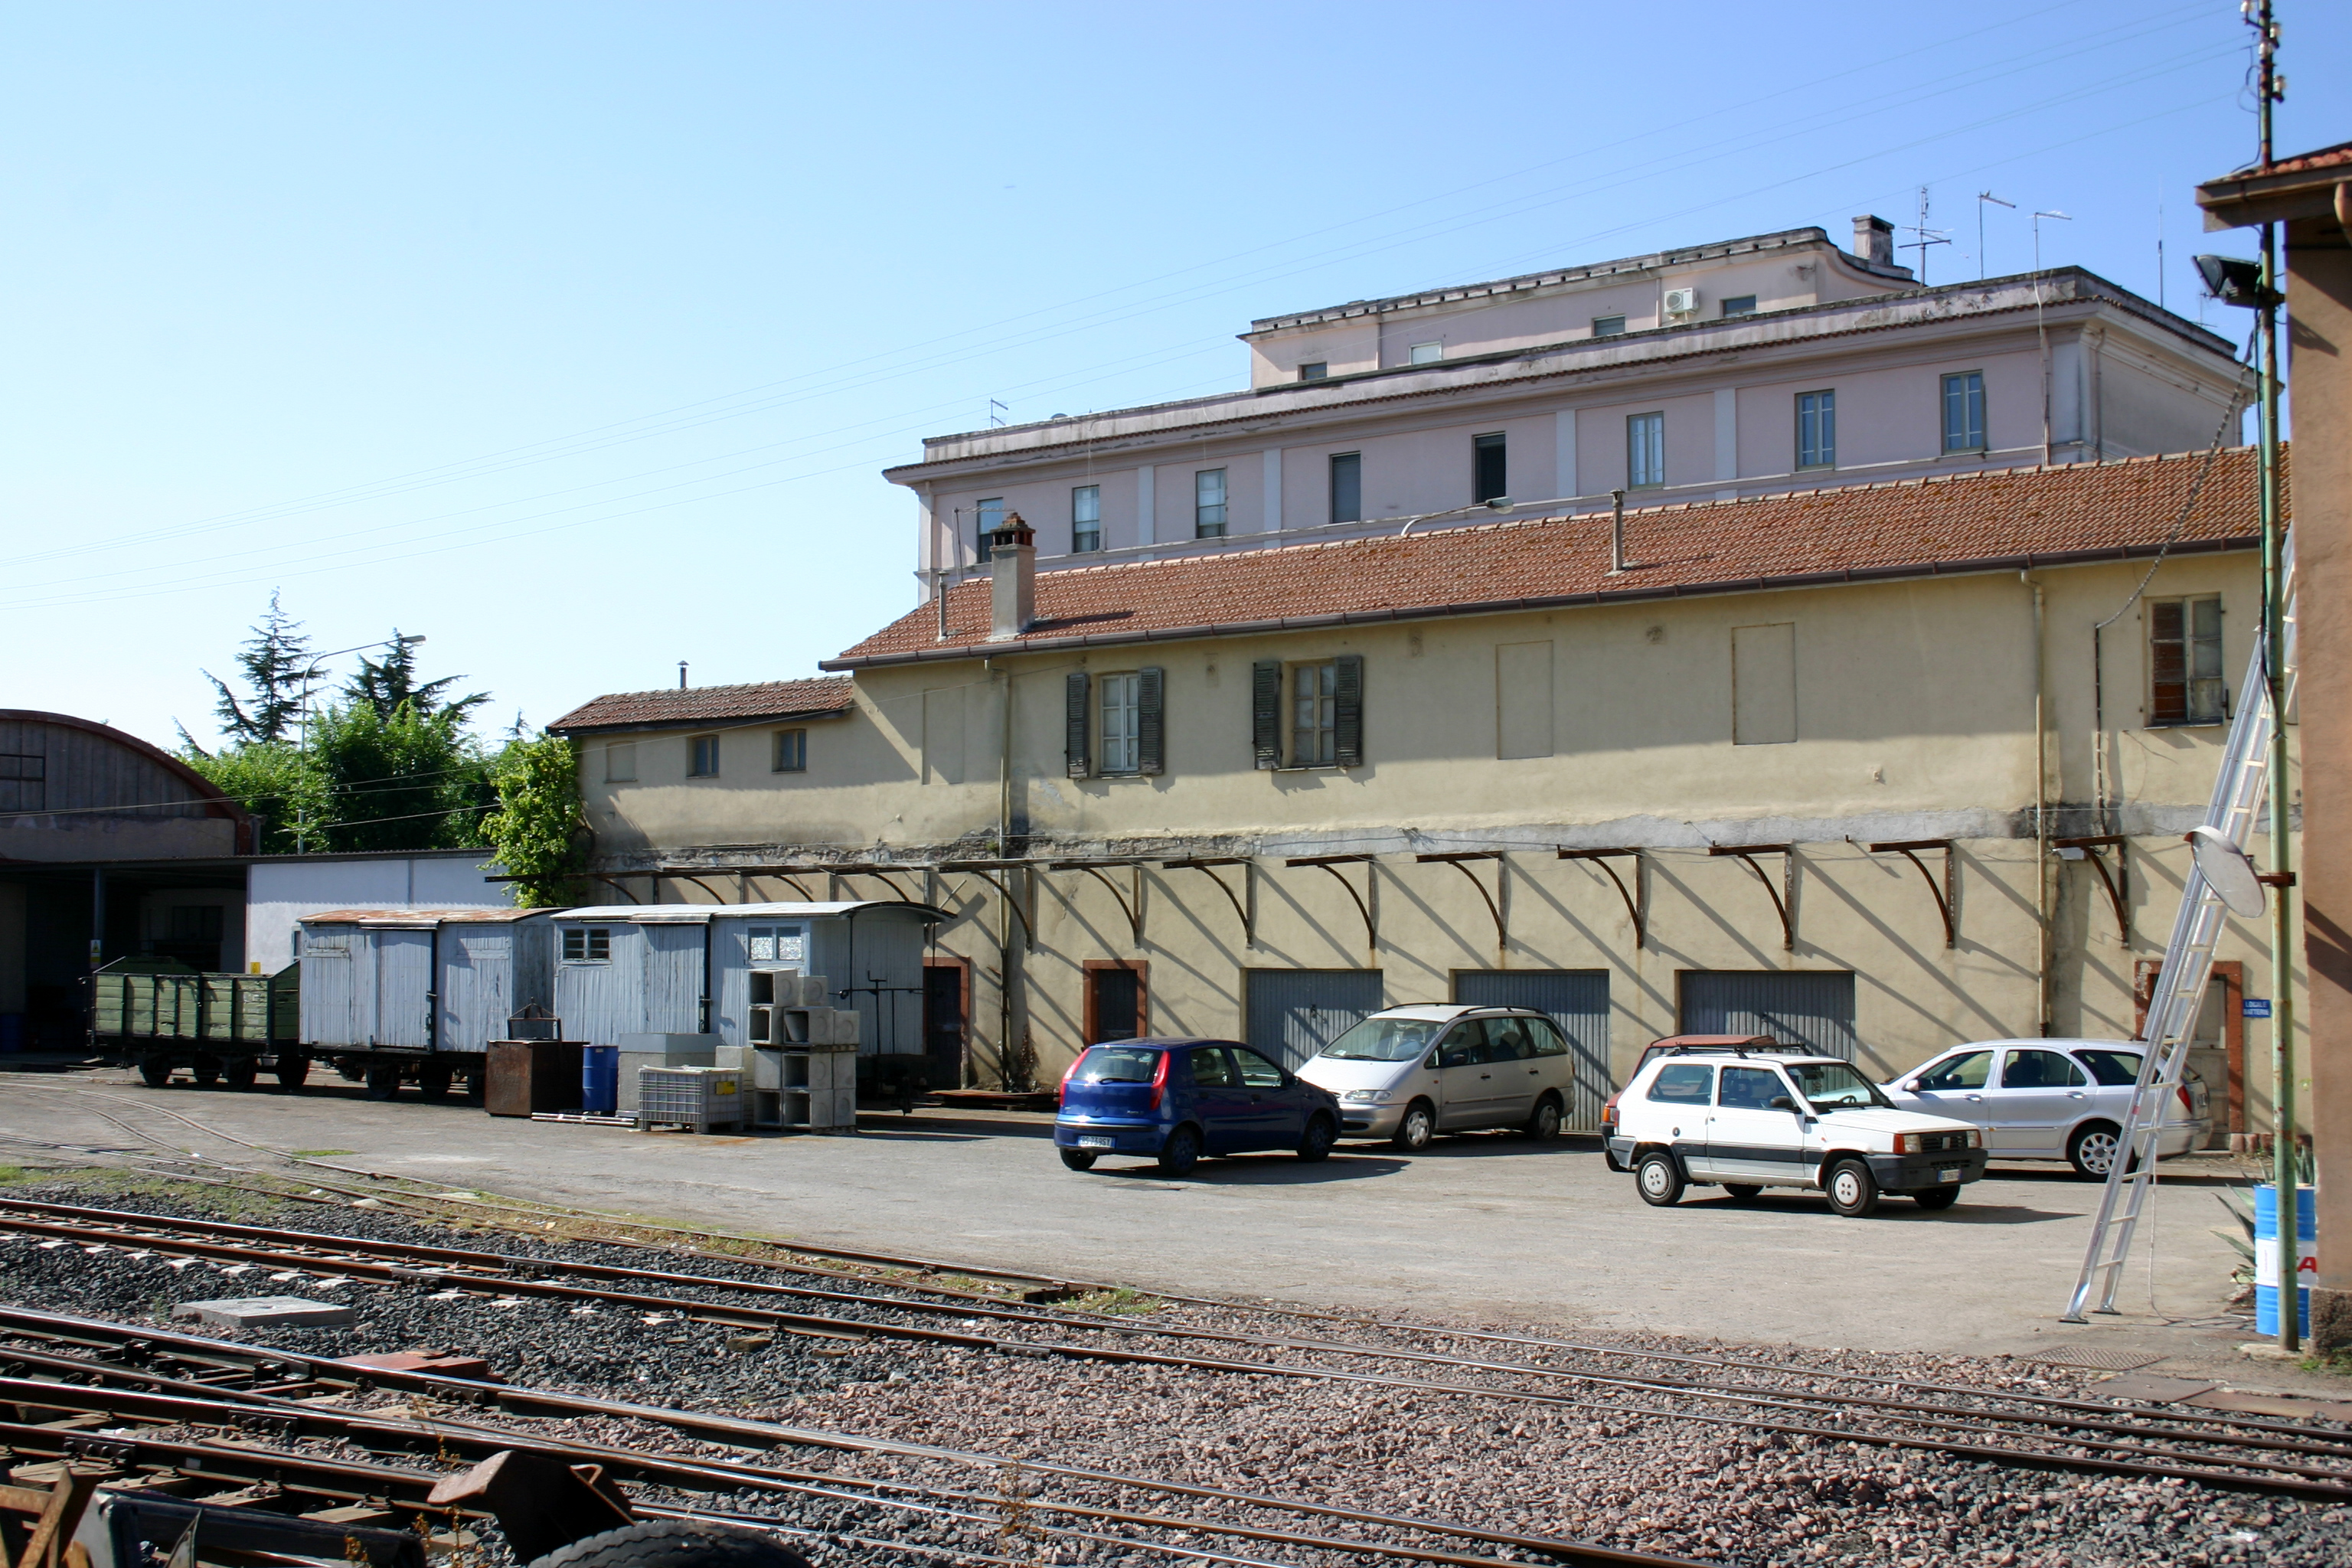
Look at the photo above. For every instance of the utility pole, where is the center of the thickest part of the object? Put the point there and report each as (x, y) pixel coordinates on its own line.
(2283, 1171)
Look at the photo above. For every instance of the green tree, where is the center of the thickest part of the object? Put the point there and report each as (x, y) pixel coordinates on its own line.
(271, 779)
(384, 684)
(538, 829)
(275, 664)
(405, 779)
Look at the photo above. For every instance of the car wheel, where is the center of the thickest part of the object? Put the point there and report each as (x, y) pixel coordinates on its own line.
(2094, 1148)
(1181, 1152)
(383, 1083)
(1320, 1135)
(1937, 1197)
(1852, 1190)
(1659, 1179)
(1544, 1124)
(1741, 1192)
(1078, 1159)
(155, 1072)
(1419, 1126)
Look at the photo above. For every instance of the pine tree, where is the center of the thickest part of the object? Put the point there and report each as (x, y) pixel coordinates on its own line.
(384, 684)
(275, 664)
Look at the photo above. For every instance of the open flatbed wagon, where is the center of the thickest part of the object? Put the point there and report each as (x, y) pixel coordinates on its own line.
(163, 1018)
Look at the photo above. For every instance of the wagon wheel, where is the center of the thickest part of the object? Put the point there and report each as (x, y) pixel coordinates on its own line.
(240, 1073)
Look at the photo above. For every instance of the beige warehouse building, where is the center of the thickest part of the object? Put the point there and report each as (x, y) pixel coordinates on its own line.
(1850, 766)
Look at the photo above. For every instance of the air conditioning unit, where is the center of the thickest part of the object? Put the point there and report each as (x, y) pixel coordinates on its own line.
(1681, 301)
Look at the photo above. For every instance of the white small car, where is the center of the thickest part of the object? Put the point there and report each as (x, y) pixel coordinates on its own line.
(2049, 1099)
(1407, 1073)
(1746, 1120)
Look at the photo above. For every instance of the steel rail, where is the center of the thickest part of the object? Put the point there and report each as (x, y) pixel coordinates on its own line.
(924, 1265)
(731, 1431)
(2100, 1419)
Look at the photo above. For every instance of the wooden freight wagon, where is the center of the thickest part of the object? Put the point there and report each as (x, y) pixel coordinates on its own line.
(163, 1017)
(393, 996)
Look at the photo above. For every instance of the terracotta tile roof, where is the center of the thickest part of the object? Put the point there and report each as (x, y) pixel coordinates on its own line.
(2000, 521)
(670, 709)
(2337, 157)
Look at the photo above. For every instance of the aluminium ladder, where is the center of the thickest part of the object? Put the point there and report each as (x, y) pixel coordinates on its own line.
(2234, 812)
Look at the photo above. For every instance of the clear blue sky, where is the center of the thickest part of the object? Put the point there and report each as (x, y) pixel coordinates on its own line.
(575, 336)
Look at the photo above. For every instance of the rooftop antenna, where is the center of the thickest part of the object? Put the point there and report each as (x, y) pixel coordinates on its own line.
(1982, 198)
(2160, 254)
(996, 411)
(1928, 236)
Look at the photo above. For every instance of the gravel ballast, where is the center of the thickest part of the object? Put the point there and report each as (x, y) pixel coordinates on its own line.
(1657, 1482)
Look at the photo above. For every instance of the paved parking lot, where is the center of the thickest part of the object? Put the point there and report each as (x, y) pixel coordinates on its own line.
(1491, 1227)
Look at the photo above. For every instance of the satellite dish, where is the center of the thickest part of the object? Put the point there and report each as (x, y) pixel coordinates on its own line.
(2229, 870)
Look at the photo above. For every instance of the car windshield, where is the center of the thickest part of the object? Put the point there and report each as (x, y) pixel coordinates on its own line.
(1385, 1040)
(1833, 1085)
(1117, 1064)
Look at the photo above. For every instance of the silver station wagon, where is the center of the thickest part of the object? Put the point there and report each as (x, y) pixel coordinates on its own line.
(1408, 1073)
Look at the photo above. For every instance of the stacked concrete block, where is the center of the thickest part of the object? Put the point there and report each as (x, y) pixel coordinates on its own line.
(801, 1072)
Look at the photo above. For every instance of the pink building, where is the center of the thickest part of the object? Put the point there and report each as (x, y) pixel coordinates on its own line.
(1770, 364)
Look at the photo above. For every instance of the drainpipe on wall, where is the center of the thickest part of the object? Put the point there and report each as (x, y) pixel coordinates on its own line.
(2041, 815)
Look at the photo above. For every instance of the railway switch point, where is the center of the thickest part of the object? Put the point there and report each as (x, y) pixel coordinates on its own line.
(266, 1312)
(471, 1367)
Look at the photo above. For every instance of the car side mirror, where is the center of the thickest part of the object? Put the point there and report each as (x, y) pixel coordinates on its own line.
(1909, 1086)
(1782, 1102)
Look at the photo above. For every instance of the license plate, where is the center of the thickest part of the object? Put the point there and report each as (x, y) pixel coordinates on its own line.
(1947, 1175)
(1097, 1142)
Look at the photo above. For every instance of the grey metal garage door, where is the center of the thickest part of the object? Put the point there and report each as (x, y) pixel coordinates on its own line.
(1578, 1001)
(1293, 1013)
(1806, 1007)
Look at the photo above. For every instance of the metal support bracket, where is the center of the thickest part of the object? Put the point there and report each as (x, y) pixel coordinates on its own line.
(1332, 863)
(986, 871)
(1637, 902)
(1132, 907)
(1207, 867)
(1946, 897)
(1457, 860)
(1783, 895)
(2088, 848)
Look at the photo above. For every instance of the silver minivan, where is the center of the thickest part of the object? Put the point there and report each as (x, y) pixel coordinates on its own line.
(1408, 1073)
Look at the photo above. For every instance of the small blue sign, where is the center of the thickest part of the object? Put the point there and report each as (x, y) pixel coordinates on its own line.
(2256, 1006)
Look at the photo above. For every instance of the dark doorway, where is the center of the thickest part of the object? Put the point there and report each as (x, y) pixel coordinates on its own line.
(947, 1004)
(1116, 1004)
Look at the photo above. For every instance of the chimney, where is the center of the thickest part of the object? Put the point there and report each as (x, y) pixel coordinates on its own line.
(1013, 578)
(1873, 241)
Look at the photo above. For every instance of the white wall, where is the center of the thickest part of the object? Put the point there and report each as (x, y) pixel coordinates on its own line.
(279, 893)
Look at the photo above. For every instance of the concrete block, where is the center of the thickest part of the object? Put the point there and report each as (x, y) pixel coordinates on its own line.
(266, 1312)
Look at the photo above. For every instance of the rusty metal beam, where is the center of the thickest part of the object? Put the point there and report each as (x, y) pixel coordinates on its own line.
(1947, 896)
(2090, 845)
(1456, 859)
(1781, 896)
(1637, 902)
(1133, 908)
(1332, 863)
(1207, 867)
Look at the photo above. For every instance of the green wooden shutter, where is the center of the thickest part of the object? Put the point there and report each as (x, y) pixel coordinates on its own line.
(1348, 710)
(1266, 711)
(1151, 731)
(1077, 754)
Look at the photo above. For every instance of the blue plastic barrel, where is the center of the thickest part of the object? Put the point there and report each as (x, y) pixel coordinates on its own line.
(600, 1079)
(2266, 1284)
(12, 1031)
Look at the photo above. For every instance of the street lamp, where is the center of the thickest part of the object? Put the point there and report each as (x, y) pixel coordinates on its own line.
(316, 669)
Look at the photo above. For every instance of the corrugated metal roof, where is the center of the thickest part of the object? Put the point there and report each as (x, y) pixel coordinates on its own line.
(422, 919)
(697, 914)
(1981, 521)
(665, 710)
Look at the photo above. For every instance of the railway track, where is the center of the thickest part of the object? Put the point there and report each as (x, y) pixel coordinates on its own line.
(159, 1392)
(1997, 1426)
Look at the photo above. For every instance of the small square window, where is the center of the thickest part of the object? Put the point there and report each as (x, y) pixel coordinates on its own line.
(792, 751)
(987, 516)
(702, 757)
(1817, 429)
(587, 944)
(1313, 370)
(2184, 648)
(1964, 412)
(1314, 715)
(1121, 710)
(621, 761)
(1085, 518)
(1645, 451)
(1490, 474)
(1428, 354)
(1608, 326)
(1739, 305)
(1209, 504)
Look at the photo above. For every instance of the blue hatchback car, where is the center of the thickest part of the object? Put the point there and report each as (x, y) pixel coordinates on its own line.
(1175, 1100)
